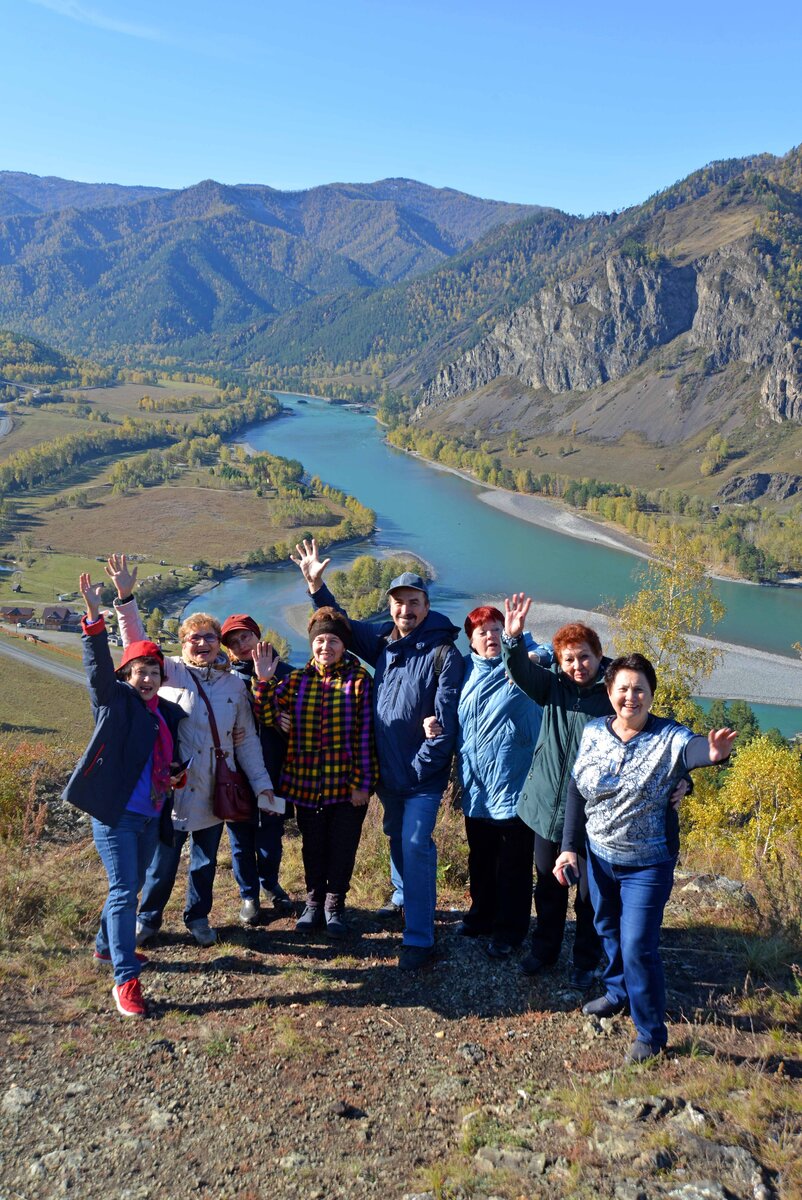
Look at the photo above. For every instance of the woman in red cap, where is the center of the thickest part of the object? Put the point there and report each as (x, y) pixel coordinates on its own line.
(123, 780)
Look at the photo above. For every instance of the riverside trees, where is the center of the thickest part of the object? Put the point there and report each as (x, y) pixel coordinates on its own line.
(675, 604)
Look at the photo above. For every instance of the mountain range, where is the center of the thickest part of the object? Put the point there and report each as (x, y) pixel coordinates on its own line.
(680, 312)
(98, 268)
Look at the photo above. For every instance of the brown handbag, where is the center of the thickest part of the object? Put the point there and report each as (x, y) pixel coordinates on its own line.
(233, 798)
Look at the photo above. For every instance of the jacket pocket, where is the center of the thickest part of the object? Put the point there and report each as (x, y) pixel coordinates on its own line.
(96, 761)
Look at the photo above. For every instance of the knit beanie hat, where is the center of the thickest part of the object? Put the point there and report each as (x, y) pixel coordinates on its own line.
(328, 620)
(141, 650)
(239, 621)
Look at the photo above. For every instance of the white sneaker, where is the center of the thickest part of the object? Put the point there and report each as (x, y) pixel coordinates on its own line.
(202, 932)
(144, 933)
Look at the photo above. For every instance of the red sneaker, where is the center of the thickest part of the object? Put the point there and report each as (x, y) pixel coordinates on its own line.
(142, 959)
(128, 998)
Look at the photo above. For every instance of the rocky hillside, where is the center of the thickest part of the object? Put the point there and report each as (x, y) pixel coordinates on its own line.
(717, 270)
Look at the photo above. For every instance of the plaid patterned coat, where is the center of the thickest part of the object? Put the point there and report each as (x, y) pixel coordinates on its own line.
(331, 748)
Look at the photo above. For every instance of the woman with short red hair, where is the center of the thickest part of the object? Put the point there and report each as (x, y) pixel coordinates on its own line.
(571, 692)
(498, 728)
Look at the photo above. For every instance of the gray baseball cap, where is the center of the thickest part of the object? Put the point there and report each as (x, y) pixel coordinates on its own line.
(410, 581)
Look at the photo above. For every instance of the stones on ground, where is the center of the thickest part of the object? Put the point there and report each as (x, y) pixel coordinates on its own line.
(293, 1161)
(160, 1119)
(511, 1158)
(472, 1052)
(17, 1099)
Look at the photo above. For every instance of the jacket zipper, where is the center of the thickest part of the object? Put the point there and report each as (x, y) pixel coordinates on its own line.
(553, 825)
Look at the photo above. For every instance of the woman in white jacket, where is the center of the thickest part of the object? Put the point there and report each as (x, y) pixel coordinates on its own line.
(201, 664)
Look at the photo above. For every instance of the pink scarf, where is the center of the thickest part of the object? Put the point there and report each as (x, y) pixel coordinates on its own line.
(162, 753)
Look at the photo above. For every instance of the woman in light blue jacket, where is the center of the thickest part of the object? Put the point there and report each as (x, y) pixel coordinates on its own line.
(498, 729)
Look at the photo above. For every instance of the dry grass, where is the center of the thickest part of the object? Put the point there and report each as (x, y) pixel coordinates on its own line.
(177, 524)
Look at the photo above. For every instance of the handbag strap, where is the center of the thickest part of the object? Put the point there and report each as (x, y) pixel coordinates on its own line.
(218, 750)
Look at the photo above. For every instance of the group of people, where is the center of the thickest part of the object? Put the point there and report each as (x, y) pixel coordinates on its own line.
(566, 778)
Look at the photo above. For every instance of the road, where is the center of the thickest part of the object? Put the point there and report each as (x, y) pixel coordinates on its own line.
(31, 659)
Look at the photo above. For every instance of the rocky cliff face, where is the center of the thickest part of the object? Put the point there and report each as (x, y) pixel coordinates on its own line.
(582, 332)
(773, 485)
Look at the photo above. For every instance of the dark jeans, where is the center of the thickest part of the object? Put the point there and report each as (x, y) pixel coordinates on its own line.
(629, 903)
(256, 853)
(551, 907)
(329, 841)
(500, 868)
(162, 871)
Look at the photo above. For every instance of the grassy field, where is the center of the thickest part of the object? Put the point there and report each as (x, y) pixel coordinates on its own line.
(122, 399)
(168, 527)
(34, 425)
(39, 705)
(174, 524)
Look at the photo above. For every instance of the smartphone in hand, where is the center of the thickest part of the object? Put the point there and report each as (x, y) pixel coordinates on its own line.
(570, 875)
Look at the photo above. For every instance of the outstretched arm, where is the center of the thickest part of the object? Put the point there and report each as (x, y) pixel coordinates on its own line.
(307, 559)
(118, 572)
(515, 611)
(98, 664)
(705, 752)
(532, 678)
(91, 593)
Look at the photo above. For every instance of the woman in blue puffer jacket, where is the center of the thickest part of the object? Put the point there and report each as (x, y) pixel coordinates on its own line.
(498, 729)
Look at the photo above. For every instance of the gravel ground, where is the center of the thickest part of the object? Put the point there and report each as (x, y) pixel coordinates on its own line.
(272, 1065)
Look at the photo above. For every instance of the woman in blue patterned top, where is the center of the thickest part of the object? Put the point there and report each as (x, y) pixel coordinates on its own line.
(618, 802)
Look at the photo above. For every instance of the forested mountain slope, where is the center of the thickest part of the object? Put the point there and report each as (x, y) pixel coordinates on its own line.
(105, 269)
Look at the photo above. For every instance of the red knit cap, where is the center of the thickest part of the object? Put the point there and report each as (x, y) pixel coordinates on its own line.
(239, 621)
(140, 650)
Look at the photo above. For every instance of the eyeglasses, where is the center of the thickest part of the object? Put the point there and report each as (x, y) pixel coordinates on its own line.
(197, 638)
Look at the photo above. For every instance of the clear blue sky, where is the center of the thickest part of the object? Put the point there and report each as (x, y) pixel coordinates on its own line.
(586, 106)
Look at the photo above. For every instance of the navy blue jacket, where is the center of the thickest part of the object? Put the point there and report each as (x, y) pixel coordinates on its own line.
(273, 740)
(408, 688)
(123, 740)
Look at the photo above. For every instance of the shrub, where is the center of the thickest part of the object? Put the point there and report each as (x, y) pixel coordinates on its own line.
(31, 773)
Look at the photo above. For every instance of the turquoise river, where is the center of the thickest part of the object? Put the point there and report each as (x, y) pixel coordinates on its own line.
(474, 549)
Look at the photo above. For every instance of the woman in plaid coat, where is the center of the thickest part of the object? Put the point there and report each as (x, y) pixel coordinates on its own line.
(330, 768)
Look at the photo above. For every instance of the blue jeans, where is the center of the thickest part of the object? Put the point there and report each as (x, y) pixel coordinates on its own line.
(408, 823)
(125, 852)
(162, 871)
(256, 853)
(628, 904)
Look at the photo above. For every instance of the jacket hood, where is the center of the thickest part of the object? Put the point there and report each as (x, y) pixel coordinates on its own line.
(221, 664)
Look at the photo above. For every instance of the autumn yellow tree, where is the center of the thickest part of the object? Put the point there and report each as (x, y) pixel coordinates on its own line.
(675, 604)
(757, 808)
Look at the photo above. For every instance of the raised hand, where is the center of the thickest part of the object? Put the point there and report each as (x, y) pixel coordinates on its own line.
(91, 593)
(123, 579)
(515, 611)
(306, 557)
(720, 743)
(265, 661)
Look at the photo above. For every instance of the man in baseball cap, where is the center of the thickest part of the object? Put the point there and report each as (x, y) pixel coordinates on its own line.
(418, 672)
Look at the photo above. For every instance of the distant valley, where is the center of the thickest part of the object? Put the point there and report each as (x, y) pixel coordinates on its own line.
(659, 345)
